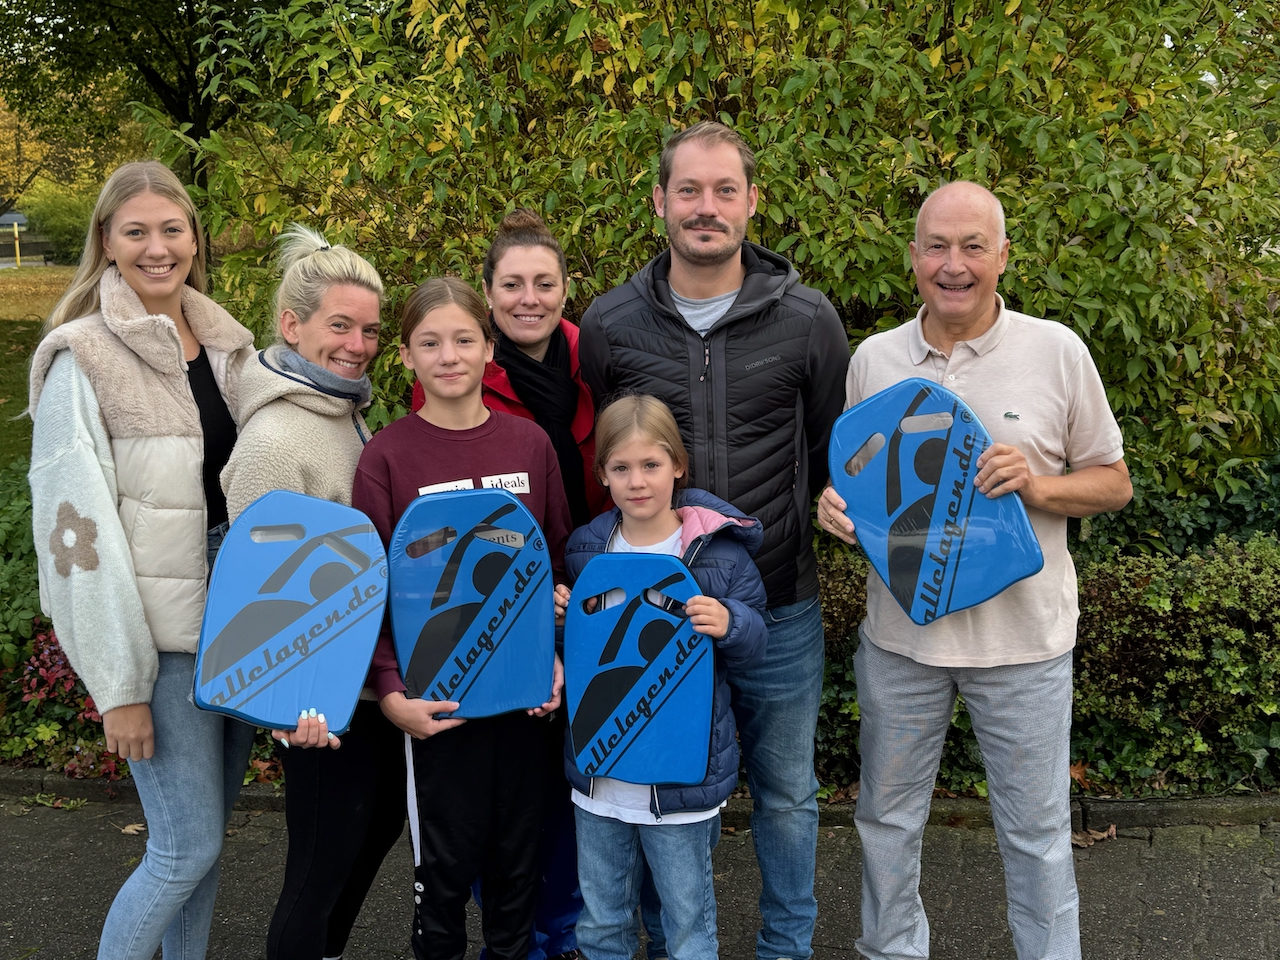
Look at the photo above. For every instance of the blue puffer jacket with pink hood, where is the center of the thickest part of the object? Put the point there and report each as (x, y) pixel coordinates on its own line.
(718, 542)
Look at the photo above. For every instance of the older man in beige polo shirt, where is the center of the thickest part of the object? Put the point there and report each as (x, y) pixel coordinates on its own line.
(1056, 442)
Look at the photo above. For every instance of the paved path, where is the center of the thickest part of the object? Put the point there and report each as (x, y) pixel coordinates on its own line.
(1155, 893)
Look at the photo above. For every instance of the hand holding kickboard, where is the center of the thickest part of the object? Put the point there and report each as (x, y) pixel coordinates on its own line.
(638, 679)
(294, 611)
(472, 602)
(904, 461)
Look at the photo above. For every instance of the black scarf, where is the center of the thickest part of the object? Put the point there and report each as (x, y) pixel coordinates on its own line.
(550, 393)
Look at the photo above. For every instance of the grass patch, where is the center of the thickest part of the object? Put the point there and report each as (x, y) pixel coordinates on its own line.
(27, 294)
(17, 342)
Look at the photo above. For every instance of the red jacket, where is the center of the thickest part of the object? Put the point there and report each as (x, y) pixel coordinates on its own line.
(500, 394)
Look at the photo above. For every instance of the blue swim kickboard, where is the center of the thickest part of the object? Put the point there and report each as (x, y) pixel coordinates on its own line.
(904, 461)
(471, 602)
(294, 610)
(638, 680)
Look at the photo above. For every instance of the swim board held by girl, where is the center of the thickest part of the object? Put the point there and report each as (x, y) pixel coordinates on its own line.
(477, 791)
(643, 463)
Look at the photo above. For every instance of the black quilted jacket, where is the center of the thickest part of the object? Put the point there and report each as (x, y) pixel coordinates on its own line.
(755, 400)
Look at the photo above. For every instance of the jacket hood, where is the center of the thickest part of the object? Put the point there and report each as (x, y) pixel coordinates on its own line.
(703, 513)
(264, 382)
(769, 276)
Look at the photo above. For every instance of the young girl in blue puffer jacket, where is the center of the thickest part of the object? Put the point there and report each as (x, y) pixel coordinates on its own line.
(641, 460)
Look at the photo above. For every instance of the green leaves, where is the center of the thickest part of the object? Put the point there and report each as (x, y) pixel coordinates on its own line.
(1129, 146)
(19, 587)
(1178, 669)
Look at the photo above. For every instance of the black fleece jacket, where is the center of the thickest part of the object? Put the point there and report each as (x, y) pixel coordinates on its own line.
(755, 400)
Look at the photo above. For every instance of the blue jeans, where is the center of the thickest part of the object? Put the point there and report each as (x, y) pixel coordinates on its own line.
(611, 858)
(188, 789)
(1022, 718)
(651, 917)
(776, 706)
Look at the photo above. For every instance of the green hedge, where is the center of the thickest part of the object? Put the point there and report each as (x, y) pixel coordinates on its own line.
(1177, 674)
(1178, 669)
(19, 588)
(1134, 146)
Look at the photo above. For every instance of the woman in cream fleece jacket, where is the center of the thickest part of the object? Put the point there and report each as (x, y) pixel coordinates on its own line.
(130, 390)
(302, 431)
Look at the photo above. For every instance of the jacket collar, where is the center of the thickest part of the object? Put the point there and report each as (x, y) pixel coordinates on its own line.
(153, 336)
(769, 276)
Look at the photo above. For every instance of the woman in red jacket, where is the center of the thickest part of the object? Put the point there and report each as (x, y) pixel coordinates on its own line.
(534, 373)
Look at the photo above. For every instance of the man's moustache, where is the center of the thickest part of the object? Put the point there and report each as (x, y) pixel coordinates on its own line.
(704, 225)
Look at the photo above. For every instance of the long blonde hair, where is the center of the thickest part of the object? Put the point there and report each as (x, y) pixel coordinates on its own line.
(129, 180)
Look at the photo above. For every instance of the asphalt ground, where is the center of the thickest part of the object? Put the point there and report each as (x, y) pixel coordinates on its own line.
(1178, 880)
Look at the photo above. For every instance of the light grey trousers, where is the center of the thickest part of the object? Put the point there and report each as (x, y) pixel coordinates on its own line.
(1022, 718)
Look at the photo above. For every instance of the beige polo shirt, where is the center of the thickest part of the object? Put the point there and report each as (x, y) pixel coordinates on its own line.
(1034, 386)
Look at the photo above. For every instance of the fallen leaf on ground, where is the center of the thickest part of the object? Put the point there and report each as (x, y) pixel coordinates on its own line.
(130, 829)
(54, 802)
(1087, 838)
(846, 794)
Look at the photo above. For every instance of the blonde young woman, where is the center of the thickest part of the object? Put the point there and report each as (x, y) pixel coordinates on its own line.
(302, 431)
(130, 391)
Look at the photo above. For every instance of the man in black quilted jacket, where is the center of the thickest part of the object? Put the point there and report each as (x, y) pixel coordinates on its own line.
(751, 362)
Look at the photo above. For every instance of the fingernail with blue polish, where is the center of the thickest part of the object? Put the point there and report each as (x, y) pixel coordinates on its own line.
(311, 712)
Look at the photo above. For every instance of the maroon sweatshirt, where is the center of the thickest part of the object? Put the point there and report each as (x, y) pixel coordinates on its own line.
(411, 457)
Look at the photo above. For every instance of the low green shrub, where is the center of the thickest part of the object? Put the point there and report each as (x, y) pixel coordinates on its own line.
(1177, 685)
(61, 213)
(1156, 521)
(49, 719)
(1178, 669)
(19, 587)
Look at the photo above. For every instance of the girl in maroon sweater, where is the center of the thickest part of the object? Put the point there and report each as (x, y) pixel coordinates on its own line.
(480, 786)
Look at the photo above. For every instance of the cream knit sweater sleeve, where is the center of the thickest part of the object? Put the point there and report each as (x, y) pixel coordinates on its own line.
(87, 581)
(266, 459)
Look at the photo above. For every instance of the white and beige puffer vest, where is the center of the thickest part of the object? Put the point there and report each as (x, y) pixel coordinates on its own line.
(134, 362)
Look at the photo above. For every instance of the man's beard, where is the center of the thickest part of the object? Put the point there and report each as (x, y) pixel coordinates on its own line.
(703, 256)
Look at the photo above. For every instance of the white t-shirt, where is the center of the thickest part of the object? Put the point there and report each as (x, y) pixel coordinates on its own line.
(629, 802)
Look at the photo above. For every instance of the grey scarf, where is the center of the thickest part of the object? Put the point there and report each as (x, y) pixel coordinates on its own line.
(285, 359)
